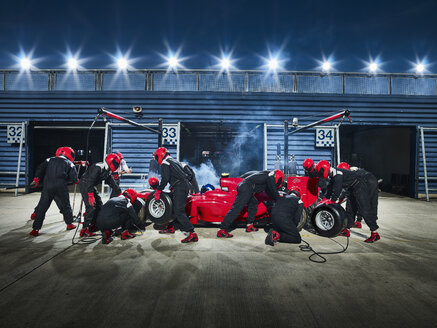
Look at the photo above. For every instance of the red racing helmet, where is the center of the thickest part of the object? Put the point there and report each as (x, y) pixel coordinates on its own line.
(113, 161)
(323, 168)
(119, 155)
(66, 151)
(308, 165)
(279, 178)
(160, 154)
(343, 165)
(130, 194)
(153, 182)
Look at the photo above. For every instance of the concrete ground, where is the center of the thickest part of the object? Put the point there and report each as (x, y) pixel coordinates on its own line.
(155, 281)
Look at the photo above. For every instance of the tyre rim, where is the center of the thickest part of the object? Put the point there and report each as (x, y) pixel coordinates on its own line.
(156, 208)
(325, 220)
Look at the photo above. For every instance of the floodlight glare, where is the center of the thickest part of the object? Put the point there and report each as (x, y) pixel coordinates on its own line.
(373, 67)
(225, 63)
(172, 62)
(122, 63)
(25, 63)
(273, 64)
(326, 66)
(72, 64)
(420, 68)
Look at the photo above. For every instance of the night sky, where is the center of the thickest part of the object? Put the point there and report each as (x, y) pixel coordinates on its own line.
(350, 32)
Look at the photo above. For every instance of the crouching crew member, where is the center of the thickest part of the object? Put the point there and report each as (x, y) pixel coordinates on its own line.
(361, 196)
(172, 172)
(285, 216)
(95, 174)
(252, 207)
(57, 173)
(118, 212)
(122, 169)
(268, 181)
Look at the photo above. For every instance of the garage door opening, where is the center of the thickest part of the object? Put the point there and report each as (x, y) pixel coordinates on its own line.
(45, 138)
(231, 148)
(387, 152)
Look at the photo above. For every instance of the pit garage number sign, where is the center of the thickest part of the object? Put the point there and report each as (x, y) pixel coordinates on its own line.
(14, 133)
(170, 134)
(325, 137)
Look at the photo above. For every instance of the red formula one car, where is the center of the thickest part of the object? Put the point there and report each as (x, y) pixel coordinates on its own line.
(210, 207)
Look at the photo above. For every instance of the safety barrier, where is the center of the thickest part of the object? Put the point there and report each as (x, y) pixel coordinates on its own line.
(217, 81)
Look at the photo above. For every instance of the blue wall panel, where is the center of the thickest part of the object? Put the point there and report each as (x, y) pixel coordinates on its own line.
(272, 108)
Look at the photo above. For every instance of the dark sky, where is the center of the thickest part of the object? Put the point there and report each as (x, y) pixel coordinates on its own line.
(351, 31)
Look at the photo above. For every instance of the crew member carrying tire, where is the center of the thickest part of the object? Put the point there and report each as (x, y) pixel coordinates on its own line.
(172, 172)
(95, 174)
(268, 181)
(57, 172)
(362, 196)
(285, 217)
(371, 183)
(118, 212)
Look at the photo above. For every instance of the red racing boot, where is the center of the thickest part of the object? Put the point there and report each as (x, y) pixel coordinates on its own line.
(251, 228)
(192, 238)
(168, 229)
(71, 226)
(345, 233)
(32, 216)
(106, 237)
(223, 234)
(272, 237)
(374, 236)
(34, 233)
(357, 224)
(86, 233)
(127, 235)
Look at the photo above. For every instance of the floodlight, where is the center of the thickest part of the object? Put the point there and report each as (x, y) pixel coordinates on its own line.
(420, 68)
(373, 67)
(25, 63)
(326, 66)
(273, 64)
(173, 61)
(225, 63)
(72, 63)
(122, 63)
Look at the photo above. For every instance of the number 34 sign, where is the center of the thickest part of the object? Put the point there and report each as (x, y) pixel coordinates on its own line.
(170, 134)
(325, 137)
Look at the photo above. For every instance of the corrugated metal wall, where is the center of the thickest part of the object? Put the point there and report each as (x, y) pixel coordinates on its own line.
(272, 108)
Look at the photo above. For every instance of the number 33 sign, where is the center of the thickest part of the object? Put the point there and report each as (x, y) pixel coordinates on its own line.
(170, 134)
(324, 137)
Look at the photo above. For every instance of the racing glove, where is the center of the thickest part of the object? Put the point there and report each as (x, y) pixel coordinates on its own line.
(91, 199)
(158, 194)
(34, 183)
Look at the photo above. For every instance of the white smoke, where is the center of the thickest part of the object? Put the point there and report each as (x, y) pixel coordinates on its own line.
(205, 174)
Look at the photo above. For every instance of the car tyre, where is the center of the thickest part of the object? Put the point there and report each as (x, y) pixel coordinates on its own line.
(159, 212)
(329, 220)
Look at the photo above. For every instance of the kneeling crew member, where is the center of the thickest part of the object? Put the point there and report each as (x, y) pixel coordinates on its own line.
(286, 214)
(118, 212)
(268, 181)
(172, 172)
(95, 174)
(58, 173)
(361, 197)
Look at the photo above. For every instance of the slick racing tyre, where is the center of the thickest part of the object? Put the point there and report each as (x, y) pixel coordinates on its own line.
(140, 209)
(159, 212)
(303, 220)
(329, 220)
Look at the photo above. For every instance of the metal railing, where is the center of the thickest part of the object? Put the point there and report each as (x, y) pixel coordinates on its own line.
(217, 81)
(426, 178)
